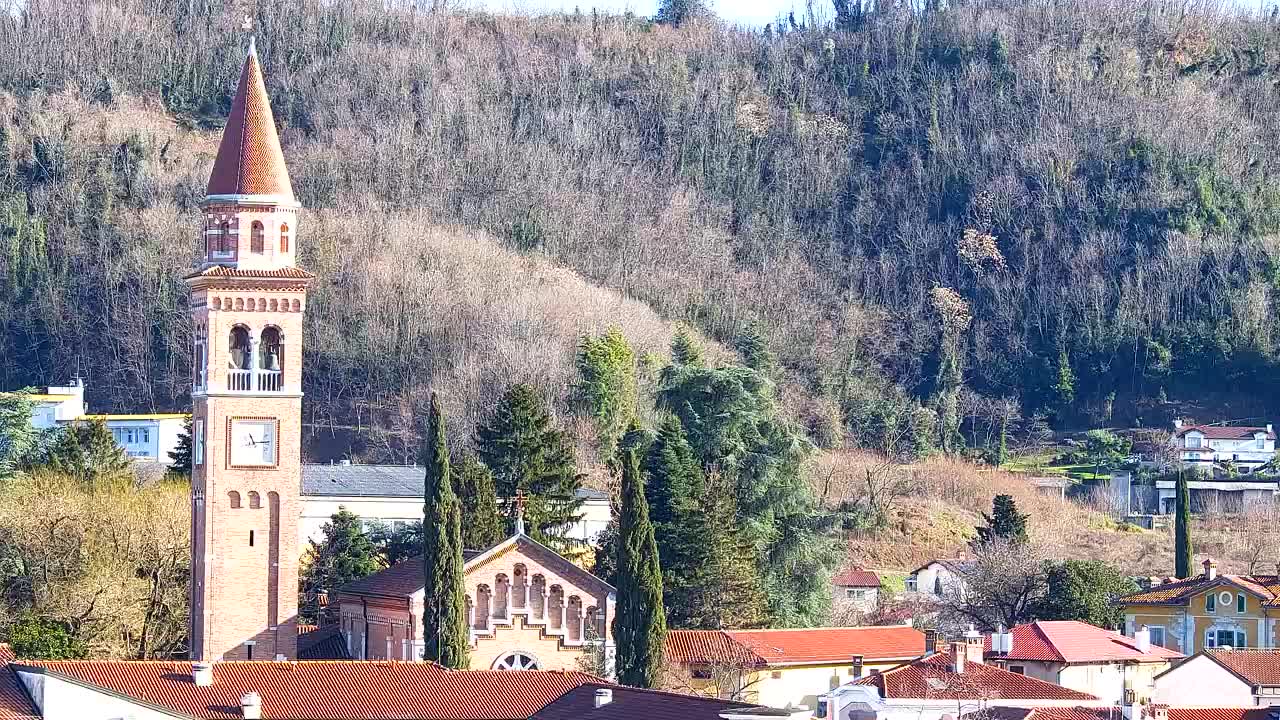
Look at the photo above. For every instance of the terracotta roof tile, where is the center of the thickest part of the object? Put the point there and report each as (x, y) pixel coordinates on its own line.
(400, 580)
(709, 647)
(249, 160)
(1077, 642)
(1179, 592)
(224, 271)
(1256, 666)
(933, 678)
(14, 703)
(330, 690)
(856, 577)
(1226, 432)
(816, 645)
(635, 704)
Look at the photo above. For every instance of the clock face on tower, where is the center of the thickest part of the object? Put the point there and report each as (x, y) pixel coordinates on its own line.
(252, 442)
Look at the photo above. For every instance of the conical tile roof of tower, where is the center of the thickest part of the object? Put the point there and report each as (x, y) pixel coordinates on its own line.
(250, 161)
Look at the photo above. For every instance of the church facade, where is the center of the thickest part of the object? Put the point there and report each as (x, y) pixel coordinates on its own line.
(528, 608)
(247, 299)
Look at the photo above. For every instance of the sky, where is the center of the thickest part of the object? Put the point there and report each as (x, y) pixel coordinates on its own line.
(749, 12)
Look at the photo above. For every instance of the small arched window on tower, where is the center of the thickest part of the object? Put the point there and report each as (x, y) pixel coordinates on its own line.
(270, 361)
(255, 500)
(233, 498)
(225, 246)
(284, 238)
(239, 359)
(256, 238)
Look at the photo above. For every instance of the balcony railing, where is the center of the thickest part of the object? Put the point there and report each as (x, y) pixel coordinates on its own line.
(255, 380)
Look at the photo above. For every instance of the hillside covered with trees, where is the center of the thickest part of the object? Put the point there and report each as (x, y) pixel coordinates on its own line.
(938, 219)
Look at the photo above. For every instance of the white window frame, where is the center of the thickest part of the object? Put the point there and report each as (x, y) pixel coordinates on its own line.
(197, 443)
(1157, 630)
(1211, 603)
(1242, 605)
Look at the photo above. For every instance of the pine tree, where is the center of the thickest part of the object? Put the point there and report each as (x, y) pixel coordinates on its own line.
(89, 452)
(180, 456)
(725, 592)
(754, 348)
(673, 486)
(684, 349)
(675, 12)
(444, 621)
(606, 387)
(344, 554)
(482, 524)
(640, 627)
(1182, 530)
(526, 452)
(1004, 522)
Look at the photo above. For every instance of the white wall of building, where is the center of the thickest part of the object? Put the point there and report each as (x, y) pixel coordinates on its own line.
(317, 509)
(932, 577)
(59, 699)
(1202, 682)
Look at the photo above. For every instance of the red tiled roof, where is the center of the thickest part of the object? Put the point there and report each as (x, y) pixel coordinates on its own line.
(635, 704)
(223, 271)
(817, 645)
(14, 703)
(856, 577)
(1070, 641)
(1180, 592)
(933, 678)
(381, 690)
(1226, 432)
(687, 647)
(249, 160)
(1255, 666)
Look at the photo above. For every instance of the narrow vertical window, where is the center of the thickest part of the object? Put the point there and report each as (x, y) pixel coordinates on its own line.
(256, 238)
(224, 238)
(197, 442)
(250, 538)
(284, 238)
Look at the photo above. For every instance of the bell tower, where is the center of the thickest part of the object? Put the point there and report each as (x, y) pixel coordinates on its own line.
(247, 300)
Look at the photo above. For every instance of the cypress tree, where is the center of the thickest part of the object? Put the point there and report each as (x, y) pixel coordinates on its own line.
(444, 622)
(527, 452)
(673, 486)
(482, 525)
(1182, 530)
(640, 627)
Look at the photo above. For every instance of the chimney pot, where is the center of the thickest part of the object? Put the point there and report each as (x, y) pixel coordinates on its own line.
(1210, 569)
(958, 653)
(1142, 639)
(202, 674)
(857, 666)
(930, 641)
(604, 696)
(251, 706)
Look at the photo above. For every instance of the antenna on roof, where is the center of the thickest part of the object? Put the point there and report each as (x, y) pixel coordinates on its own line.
(247, 26)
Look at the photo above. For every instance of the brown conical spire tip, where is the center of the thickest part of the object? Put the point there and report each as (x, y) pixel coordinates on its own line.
(250, 161)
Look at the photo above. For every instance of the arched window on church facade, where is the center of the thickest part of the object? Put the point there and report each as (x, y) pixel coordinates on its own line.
(284, 238)
(484, 598)
(257, 241)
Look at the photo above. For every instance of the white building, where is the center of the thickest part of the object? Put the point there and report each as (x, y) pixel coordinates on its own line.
(1202, 446)
(1225, 678)
(146, 437)
(392, 495)
(932, 579)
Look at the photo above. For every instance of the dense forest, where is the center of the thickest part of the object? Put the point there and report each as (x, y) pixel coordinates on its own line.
(1053, 209)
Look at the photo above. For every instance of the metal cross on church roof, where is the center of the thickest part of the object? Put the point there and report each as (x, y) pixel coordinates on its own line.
(520, 498)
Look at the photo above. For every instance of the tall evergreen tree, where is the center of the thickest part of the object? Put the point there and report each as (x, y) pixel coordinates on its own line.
(752, 345)
(673, 487)
(444, 621)
(1004, 522)
(606, 386)
(180, 456)
(684, 348)
(482, 524)
(640, 626)
(345, 553)
(527, 452)
(1182, 530)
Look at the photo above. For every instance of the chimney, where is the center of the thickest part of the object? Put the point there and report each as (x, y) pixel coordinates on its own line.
(1269, 430)
(1002, 641)
(1177, 423)
(973, 646)
(1142, 639)
(930, 641)
(202, 674)
(957, 657)
(251, 706)
(1210, 569)
(604, 696)
(857, 666)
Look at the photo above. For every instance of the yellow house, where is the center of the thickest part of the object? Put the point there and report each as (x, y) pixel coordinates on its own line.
(779, 668)
(1207, 611)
